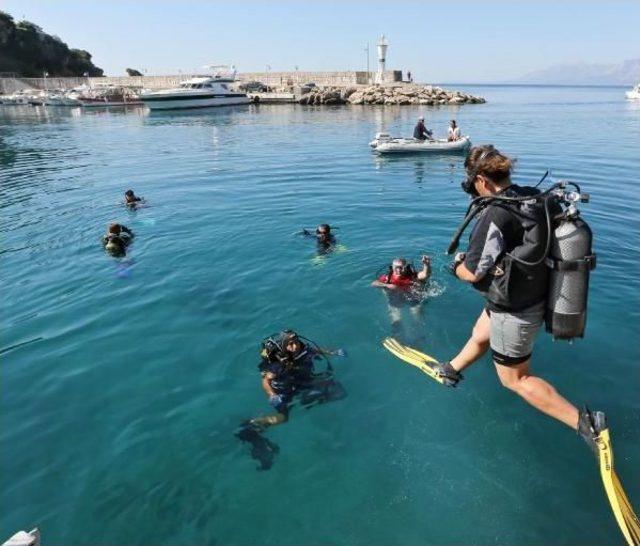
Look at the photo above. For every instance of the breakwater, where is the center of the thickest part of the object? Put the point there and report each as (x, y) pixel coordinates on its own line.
(272, 79)
(403, 94)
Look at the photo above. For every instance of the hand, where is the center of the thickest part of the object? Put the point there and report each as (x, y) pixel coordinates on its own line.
(275, 400)
(459, 258)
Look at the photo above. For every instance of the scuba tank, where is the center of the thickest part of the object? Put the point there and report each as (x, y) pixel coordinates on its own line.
(571, 261)
(566, 251)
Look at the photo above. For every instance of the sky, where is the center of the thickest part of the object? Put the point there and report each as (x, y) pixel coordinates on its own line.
(439, 41)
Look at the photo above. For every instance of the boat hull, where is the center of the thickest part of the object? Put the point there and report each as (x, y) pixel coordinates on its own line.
(410, 145)
(180, 102)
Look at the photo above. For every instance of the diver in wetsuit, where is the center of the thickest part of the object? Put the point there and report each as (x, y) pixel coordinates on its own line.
(324, 238)
(117, 239)
(131, 200)
(287, 369)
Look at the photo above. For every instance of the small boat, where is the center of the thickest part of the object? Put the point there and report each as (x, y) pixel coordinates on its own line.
(634, 94)
(199, 92)
(386, 144)
(107, 96)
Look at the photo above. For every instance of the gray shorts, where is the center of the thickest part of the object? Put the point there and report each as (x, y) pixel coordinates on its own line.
(513, 334)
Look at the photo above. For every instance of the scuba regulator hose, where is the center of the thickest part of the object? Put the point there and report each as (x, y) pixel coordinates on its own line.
(481, 202)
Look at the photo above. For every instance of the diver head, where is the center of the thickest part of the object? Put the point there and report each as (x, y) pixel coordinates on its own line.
(400, 267)
(323, 233)
(291, 342)
(488, 171)
(114, 229)
(129, 196)
(421, 119)
(453, 124)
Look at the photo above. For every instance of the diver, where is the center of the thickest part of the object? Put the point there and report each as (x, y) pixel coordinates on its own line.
(288, 370)
(404, 286)
(420, 132)
(117, 239)
(131, 200)
(530, 258)
(325, 240)
(515, 296)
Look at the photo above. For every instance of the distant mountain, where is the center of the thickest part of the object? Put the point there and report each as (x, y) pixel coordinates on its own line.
(625, 73)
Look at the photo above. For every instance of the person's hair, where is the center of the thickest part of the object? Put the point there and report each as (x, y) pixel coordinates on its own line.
(115, 229)
(489, 162)
(453, 121)
(129, 193)
(323, 227)
(399, 260)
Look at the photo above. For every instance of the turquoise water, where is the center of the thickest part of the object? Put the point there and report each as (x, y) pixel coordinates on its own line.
(121, 389)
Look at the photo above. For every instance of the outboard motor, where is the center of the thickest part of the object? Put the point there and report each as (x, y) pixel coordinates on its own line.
(571, 260)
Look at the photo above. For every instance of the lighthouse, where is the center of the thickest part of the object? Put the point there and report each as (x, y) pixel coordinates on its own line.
(382, 58)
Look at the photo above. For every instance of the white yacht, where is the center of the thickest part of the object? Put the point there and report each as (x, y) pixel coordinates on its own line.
(199, 92)
(634, 94)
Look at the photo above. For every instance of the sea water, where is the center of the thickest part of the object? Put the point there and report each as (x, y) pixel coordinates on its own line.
(123, 382)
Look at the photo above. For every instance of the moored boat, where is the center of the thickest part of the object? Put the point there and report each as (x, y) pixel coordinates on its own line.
(198, 92)
(386, 144)
(108, 96)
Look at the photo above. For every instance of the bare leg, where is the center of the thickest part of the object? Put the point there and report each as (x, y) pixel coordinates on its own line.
(477, 345)
(270, 420)
(394, 313)
(537, 392)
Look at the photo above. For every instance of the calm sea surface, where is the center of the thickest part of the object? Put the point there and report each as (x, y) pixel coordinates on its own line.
(122, 383)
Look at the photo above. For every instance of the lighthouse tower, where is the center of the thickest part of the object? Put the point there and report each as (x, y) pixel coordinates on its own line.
(382, 58)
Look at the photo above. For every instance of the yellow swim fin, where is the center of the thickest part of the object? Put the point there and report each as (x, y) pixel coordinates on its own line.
(624, 514)
(423, 362)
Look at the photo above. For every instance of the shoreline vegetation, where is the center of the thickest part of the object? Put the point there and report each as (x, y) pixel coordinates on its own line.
(27, 51)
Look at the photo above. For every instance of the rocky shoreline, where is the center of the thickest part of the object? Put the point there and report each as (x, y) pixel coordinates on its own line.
(393, 95)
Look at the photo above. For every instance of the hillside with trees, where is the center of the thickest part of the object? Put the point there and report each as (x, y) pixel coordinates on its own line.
(25, 49)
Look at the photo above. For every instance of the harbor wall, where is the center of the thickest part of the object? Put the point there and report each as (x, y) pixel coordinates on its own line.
(273, 79)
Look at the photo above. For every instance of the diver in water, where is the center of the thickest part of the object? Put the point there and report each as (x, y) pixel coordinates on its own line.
(131, 200)
(404, 286)
(117, 239)
(325, 240)
(288, 370)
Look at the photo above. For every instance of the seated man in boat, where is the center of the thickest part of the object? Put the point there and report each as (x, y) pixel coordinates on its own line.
(117, 239)
(420, 132)
(131, 199)
(404, 286)
(453, 133)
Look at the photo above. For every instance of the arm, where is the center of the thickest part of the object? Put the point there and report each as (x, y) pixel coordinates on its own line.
(266, 384)
(423, 276)
(380, 284)
(486, 247)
